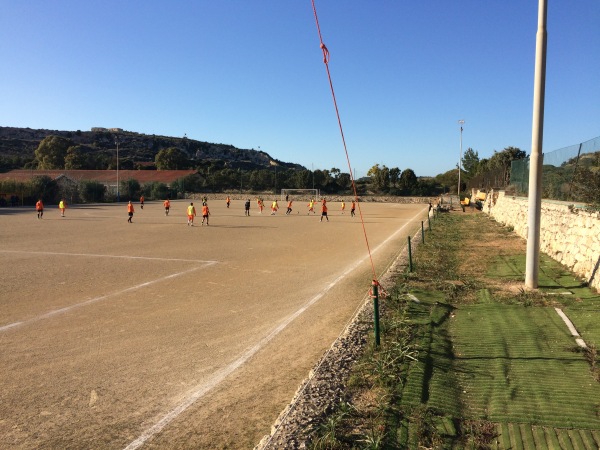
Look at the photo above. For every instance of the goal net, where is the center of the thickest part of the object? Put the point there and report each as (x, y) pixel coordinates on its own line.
(300, 194)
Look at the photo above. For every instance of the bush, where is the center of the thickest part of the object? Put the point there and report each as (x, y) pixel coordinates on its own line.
(92, 191)
(155, 191)
(159, 191)
(130, 189)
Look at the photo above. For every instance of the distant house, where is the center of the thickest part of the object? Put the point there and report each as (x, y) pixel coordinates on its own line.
(112, 130)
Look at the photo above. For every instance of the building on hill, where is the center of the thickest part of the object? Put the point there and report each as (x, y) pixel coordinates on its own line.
(111, 130)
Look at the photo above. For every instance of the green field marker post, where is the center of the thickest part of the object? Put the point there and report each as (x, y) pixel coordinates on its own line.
(422, 232)
(409, 256)
(375, 295)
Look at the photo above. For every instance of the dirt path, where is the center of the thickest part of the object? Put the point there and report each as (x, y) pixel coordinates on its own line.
(159, 335)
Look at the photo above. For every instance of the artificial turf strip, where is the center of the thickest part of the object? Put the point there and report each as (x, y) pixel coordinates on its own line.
(553, 277)
(523, 436)
(585, 320)
(520, 365)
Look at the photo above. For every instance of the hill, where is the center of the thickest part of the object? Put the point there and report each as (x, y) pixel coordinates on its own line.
(136, 148)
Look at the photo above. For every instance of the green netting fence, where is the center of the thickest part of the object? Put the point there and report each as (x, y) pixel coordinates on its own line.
(563, 173)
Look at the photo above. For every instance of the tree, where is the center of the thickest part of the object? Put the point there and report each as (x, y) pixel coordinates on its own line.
(380, 177)
(322, 179)
(373, 171)
(91, 191)
(303, 179)
(171, 159)
(394, 176)
(51, 152)
(260, 179)
(43, 187)
(344, 181)
(159, 191)
(448, 180)
(501, 161)
(470, 161)
(75, 158)
(130, 189)
(384, 179)
(155, 190)
(408, 181)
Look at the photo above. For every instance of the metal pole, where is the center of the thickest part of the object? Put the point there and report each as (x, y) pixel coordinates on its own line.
(375, 295)
(460, 122)
(422, 232)
(409, 256)
(532, 264)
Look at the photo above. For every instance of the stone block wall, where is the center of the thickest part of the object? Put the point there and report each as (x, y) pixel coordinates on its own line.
(569, 235)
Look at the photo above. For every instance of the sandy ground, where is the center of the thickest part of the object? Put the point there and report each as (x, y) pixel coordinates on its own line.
(155, 334)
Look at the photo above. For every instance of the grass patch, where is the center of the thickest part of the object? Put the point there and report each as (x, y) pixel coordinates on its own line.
(470, 359)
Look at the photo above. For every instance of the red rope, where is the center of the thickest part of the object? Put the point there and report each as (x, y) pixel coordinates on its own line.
(337, 112)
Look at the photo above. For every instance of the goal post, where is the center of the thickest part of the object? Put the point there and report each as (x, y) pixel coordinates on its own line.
(300, 194)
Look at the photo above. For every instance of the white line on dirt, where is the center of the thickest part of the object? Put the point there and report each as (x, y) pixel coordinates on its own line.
(224, 372)
(96, 299)
(92, 255)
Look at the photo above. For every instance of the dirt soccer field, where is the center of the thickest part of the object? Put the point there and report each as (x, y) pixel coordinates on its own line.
(156, 334)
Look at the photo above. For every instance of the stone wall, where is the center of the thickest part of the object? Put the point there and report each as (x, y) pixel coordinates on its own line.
(569, 235)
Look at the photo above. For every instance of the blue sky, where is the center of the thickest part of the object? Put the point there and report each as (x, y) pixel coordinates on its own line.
(250, 73)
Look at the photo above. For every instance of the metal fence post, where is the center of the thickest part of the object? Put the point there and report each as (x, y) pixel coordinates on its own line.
(410, 267)
(375, 295)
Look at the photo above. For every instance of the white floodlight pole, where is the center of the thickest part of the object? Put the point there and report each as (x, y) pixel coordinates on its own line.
(461, 123)
(532, 264)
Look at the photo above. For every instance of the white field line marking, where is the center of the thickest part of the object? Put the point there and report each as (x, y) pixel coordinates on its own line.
(571, 328)
(224, 372)
(95, 300)
(92, 255)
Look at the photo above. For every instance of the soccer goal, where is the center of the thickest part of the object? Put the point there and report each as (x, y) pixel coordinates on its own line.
(300, 194)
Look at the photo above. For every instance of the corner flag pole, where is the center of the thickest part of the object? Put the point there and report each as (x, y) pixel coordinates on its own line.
(532, 265)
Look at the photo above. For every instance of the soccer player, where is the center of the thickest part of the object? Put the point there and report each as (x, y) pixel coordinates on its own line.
(311, 206)
(130, 211)
(191, 213)
(62, 205)
(274, 207)
(324, 211)
(289, 208)
(352, 208)
(261, 204)
(142, 202)
(167, 205)
(39, 207)
(247, 207)
(343, 206)
(228, 201)
(205, 213)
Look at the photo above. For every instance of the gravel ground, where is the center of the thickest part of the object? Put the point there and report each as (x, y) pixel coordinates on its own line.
(325, 385)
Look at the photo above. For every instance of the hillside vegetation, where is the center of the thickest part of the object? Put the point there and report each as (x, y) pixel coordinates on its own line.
(136, 150)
